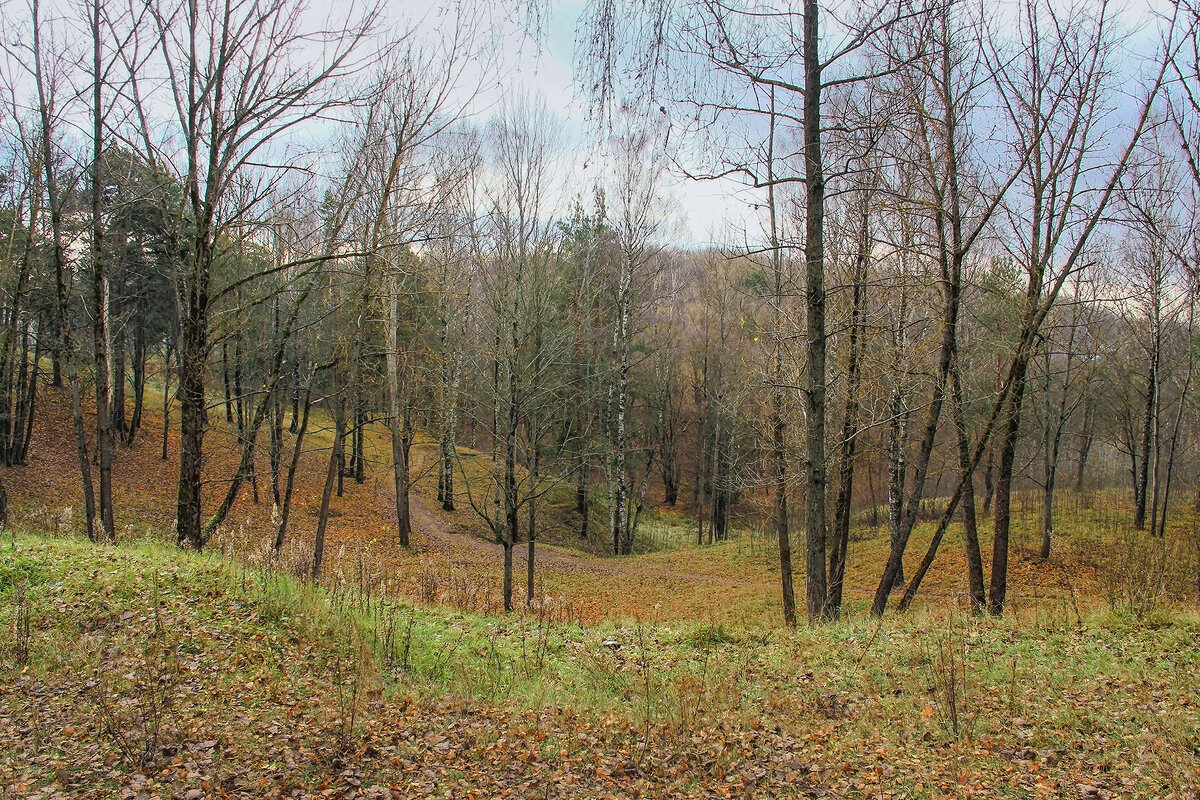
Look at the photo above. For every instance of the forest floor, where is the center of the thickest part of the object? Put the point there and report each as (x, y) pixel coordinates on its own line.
(141, 671)
(453, 561)
(138, 671)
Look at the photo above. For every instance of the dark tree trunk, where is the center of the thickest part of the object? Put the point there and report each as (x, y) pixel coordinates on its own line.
(779, 516)
(446, 471)
(139, 384)
(989, 483)
(101, 332)
(966, 465)
(335, 459)
(897, 474)
(534, 477)
(507, 586)
(951, 297)
(290, 484)
(193, 363)
(1143, 473)
(845, 495)
(360, 432)
(399, 420)
(582, 507)
(226, 382)
(1161, 532)
(512, 508)
(779, 451)
(292, 428)
(166, 399)
(401, 448)
(814, 266)
(998, 588)
(699, 486)
(29, 403)
(1085, 443)
(275, 453)
(119, 423)
(63, 292)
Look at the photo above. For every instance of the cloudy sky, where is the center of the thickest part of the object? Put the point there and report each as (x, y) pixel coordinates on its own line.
(544, 68)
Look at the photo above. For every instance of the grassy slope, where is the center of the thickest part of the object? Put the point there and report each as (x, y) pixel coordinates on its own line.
(155, 672)
(733, 583)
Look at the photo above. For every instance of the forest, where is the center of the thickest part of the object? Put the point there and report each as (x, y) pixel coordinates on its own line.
(333, 300)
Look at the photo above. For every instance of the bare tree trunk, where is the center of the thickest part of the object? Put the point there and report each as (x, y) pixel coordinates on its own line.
(512, 532)
(1047, 510)
(779, 454)
(192, 364)
(998, 587)
(966, 465)
(448, 448)
(166, 399)
(622, 536)
(989, 482)
(1156, 464)
(26, 415)
(226, 382)
(62, 273)
(951, 298)
(814, 263)
(701, 463)
(292, 427)
(722, 491)
(360, 432)
(531, 524)
(534, 476)
(845, 495)
(297, 450)
(1085, 444)
(275, 450)
(898, 416)
(1178, 424)
(1149, 419)
(138, 367)
(966, 476)
(118, 357)
(398, 421)
(105, 438)
(139, 381)
(335, 458)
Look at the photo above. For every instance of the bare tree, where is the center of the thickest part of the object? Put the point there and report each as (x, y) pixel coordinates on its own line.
(638, 220)
(52, 185)
(1055, 95)
(239, 76)
(766, 64)
(517, 282)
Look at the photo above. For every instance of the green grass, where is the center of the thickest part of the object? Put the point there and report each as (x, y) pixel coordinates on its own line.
(117, 629)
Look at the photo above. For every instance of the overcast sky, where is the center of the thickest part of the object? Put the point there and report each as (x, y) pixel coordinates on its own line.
(709, 212)
(544, 68)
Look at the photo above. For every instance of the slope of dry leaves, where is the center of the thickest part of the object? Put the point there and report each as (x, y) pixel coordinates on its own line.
(147, 673)
(451, 561)
(138, 671)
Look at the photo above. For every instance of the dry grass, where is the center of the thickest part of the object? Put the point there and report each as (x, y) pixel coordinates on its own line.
(1099, 561)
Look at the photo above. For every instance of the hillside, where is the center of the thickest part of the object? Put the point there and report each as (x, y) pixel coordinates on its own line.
(142, 671)
(452, 562)
(138, 671)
